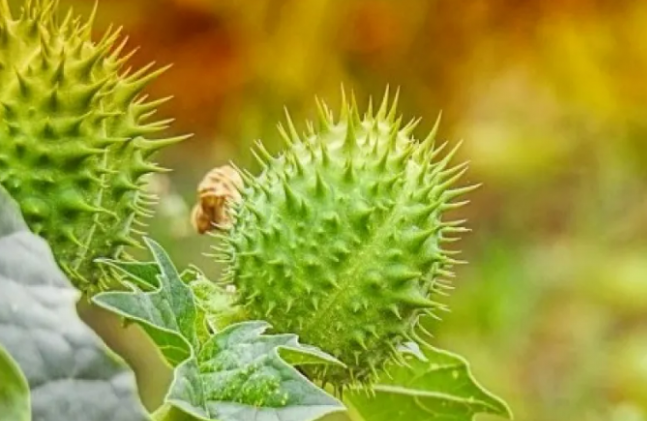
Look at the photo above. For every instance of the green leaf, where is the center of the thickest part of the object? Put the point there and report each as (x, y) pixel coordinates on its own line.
(436, 386)
(70, 372)
(14, 390)
(239, 375)
(167, 314)
(143, 274)
(235, 374)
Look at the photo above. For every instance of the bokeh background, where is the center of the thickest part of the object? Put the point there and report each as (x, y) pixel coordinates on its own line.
(551, 100)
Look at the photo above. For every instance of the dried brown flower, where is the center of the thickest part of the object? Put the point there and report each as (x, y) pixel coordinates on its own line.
(217, 190)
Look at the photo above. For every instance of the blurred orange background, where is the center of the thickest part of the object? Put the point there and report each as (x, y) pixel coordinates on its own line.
(551, 100)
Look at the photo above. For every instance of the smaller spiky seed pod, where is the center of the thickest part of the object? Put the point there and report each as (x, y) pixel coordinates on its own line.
(341, 239)
(76, 140)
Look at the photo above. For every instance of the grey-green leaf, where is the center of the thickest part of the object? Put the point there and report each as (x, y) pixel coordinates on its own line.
(437, 387)
(167, 314)
(239, 375)
(14, 390)
(235, 374)
(70, 372)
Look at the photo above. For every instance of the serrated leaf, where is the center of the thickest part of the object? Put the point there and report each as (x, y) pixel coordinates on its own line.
(167, 314)
(239, 375)
(236, 374)
(437, 387)
(70, 372)
(14, 390)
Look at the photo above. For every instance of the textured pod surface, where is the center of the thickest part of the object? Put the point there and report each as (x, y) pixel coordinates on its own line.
(340, 238)
(74, 135)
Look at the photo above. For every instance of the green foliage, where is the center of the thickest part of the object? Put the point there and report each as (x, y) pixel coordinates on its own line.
(14, 390)
(435, 385)
(70, 372)
(341, 238)
(241, 374)
(235, 374)
(167, 313)
(75, 135)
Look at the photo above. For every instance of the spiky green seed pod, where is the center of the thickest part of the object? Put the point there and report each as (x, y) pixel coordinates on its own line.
(75, 135)
(340, 238)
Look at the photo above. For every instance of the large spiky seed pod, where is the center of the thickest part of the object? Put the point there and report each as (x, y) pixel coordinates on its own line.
(75, 136)
(340, 238)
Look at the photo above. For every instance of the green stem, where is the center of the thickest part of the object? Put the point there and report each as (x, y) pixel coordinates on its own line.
(168, 412)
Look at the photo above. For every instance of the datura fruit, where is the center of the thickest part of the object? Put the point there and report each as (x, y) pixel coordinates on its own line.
(341, 238)
(75, 136)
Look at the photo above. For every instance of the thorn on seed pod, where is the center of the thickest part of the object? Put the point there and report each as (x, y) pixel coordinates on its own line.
(219, 187)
